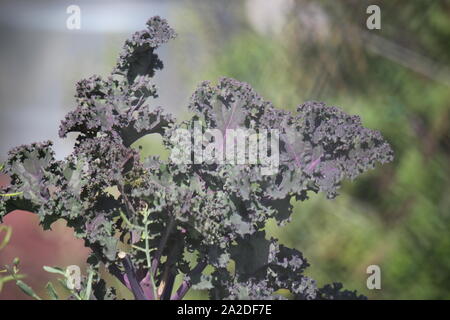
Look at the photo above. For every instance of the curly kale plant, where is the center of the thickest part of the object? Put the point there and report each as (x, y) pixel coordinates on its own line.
(148, 221)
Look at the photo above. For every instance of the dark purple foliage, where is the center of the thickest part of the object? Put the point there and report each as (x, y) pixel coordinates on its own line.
(164, 212)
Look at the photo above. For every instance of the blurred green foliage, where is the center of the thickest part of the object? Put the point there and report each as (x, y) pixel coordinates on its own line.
(396, 79)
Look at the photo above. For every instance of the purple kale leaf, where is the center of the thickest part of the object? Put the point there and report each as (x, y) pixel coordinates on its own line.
(147, 220)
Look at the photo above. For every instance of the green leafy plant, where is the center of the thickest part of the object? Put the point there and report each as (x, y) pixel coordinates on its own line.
(13, 270)
(149, 220)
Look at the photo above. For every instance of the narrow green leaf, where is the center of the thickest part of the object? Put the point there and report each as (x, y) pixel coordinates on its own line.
(51, 291)
(54, 270)
(7, 237)
(124, 217)
(27, 289)
(11, 194)
(138, 248)
(87, 295)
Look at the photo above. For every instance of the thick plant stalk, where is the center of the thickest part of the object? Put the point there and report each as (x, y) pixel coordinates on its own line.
(187, 283)
(147, 255)
(131, 275)
(165, 237)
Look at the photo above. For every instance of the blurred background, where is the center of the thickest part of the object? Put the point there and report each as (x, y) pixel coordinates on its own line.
(396, 78)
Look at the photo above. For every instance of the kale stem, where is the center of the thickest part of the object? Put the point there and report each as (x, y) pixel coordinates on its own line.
(168, 286)
(169, 274)
(147, 255)
(162, 244)
(187, 283)
(131, 275)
